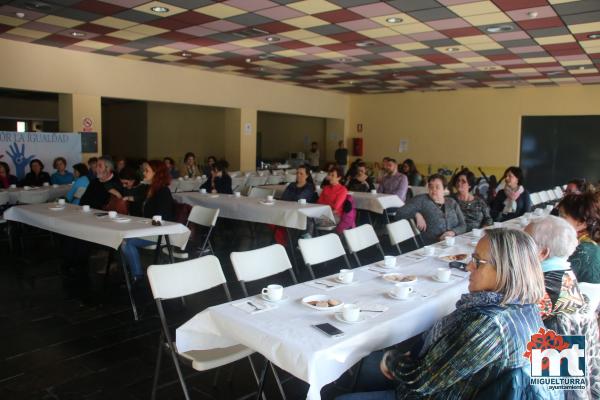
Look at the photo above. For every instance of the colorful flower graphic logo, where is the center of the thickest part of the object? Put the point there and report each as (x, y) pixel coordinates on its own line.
(546, 339)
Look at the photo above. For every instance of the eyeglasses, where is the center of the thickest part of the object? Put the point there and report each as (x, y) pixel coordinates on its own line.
(478, 261)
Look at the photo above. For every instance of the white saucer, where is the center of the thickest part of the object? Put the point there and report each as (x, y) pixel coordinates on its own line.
(361, 318)
(338, 280)
(265, 298)
(411, 295)
(121, 219)
(56, 208)
(381, 264)
(267, 203)
(435, 278)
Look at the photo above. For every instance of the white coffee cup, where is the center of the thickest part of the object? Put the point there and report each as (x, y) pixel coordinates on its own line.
(273, 292)
(318, 187)
(26, 187)
(186, 177)
(112, 214)
(301, 201)
(13, 186)
(450, 240)
(443, 274)
(373, 191)
(237, 194)
(61, 202)
(157, 218)
(85, 208)
(477, 232)
(402, 291)
(180, 178)
(269, 198)
(350, 312)
(55, 186)
(429, 250)
(46, 184)
(346, 275)
(203, 191)
(390, 261)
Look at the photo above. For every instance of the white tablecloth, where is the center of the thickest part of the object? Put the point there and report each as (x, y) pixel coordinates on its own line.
(283, 213)
(54, 192)
(73, 222)
(284, 335)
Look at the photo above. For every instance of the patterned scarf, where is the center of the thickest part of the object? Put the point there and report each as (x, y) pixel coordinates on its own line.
(510, 204)
(454, 320)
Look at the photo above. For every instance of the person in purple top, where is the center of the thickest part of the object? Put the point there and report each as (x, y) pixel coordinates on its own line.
(393, 182)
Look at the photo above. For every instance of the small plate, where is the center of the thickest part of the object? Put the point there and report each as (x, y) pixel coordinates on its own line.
(361, 318)
(381, 264)
(462, 257)
(410, 296)
(435, 278)
(56, 208)
(213, 196)
(395, 278)
(265, 298)
(121, 219)
(338, 280)
(321, 297)
(267, 203)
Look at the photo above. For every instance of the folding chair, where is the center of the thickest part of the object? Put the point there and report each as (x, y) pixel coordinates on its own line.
(205, 217)
(361, 238)
(535, 199)
(400, 231)
(321, 249)
(274, 179)
(257, 192)
(34, 196)
(171, 281)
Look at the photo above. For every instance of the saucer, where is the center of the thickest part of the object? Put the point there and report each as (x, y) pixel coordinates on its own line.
(265, 298)
(381, 264)
(435, 278)
(56, 208)
(361, 318)
(411, 295)
(121, 219)
(267, 203)
(338, 280)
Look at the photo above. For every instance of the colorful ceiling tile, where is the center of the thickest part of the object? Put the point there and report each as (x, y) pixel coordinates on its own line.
(355, 46)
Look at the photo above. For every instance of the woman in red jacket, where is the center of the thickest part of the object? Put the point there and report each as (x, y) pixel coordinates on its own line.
(334, 194)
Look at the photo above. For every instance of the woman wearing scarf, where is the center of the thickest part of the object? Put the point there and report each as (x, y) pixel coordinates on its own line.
(514, 200)
(477, 350)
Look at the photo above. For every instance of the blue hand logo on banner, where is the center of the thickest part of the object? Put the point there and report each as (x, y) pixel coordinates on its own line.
(19, 159)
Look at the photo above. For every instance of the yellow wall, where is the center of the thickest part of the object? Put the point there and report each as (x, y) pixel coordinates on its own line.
(474, 127)
(282, 134)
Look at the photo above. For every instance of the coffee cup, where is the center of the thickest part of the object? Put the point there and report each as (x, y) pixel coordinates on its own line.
(186, 177)
(450, 240)
(26, 187)
(13, 186)
(401, 291)
(373, 191)
(85, 208)
(157, 218)
(270, 198)
(237, 194)
(301, 201)
(273, 292)
(61, 202)
(203, 191)
(390, 261)
(477, 232)
(55, 186)
(350, 312)
(112, 214)
(429, 250)
(443, 274)
(180, 178)
(346, 275)
(46, 184)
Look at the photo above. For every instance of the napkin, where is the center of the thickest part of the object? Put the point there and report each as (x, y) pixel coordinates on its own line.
(252, 306)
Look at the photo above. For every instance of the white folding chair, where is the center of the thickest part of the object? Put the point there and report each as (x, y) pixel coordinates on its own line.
(256, 181)
(260, 192)
(274, 180)
(558, 193)
(535, 199)
(278, 172)
(360, 238)
(400, 231)
(543, 197)
(319, 176)
(205, 217)
(189, 185)
(235, 174)
(169, 281)
(551, 195)
(289, 178)
(4, 197)
(291, 171)
(34, 196)
(564, 187)
(592, 291)
(321, 249)
(238, 182)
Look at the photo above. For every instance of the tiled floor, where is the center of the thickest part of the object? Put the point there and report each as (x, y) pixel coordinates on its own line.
(54, 348)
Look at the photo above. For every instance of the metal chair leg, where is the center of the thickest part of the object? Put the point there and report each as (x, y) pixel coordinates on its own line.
(170, 249)
(261, 384)
(157, 368)
(129, 290)
(278, 381)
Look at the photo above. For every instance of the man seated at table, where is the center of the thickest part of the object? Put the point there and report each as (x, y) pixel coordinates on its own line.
(98, 192)
(393, 182)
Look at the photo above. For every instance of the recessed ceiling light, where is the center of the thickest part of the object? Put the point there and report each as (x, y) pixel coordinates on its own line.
(186, 54)
(77, 34)
(394, 20)
(20, 14)
(532, 14)
(594, 36)
(343, 60)
(366, 43)
(581, 67)
(499, 28)
(272, 39)
(159, 9)
(452, 49)
(248, 60)
(553, 73)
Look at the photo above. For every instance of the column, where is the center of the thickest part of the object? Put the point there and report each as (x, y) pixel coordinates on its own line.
(240, 138)
(81, 113)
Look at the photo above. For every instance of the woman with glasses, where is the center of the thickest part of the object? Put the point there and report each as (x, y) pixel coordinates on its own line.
(477, 350)
(474, 208)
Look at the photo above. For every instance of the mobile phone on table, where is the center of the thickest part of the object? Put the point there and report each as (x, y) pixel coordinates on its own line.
(329, 330)
(101, 214)
(458, 265)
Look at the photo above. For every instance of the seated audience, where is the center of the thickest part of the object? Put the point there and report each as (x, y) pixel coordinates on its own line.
(474, 208)
(132, 190)
(120, 163)
(410, 170)
(98, 192)
(210, 161)
(61, 176)
(513, 201)
(483, 340)
(36, 176)
(189, 168)
(437, 217)
(576, 186)
(80, 173)
(170, 163)
(379, 170)
(393, 182)
(92, 161)
(360, 181)
(6, 179)
(328, 167)
(334, 193)
(564, 308)
(582, 211)
(219, 180)
(157, 201)
(303, 188)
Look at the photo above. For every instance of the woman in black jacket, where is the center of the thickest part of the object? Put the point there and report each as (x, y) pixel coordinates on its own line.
(37, 176)
(156, 201)
(219, 181)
